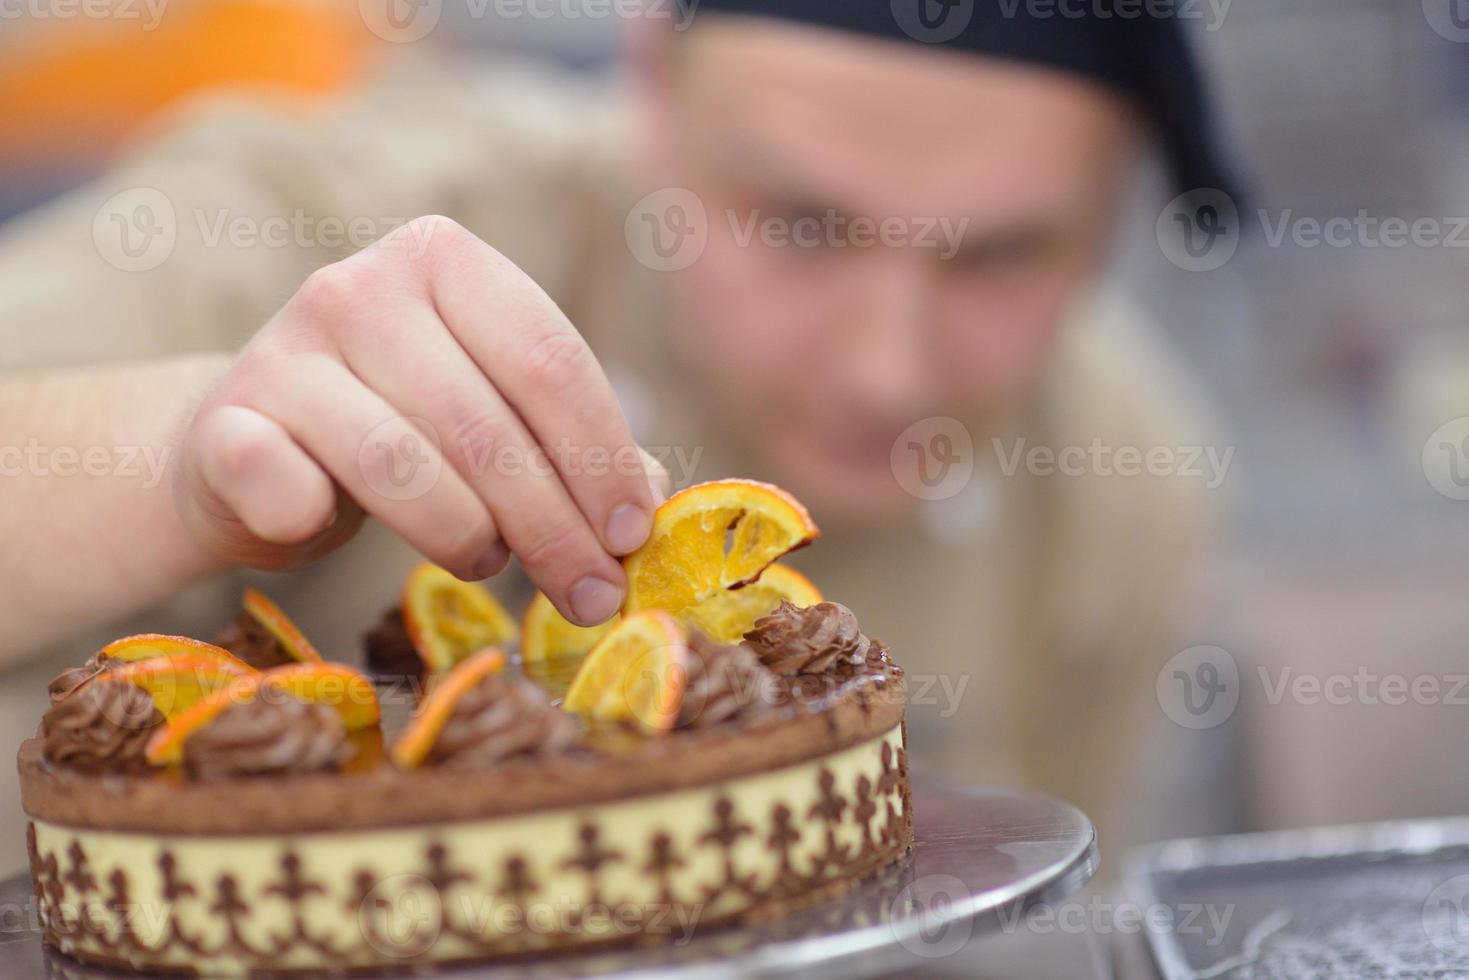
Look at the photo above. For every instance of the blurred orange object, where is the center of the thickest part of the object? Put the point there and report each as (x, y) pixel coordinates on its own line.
(72, 89)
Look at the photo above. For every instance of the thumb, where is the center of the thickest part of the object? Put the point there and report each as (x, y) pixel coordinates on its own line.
(249, 493)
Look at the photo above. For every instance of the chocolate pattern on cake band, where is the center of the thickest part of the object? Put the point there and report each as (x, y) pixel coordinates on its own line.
(95, 922)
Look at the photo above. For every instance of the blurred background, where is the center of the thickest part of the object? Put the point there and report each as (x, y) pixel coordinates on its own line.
(1330, 367)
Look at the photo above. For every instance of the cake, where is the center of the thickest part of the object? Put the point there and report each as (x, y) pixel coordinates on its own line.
(191, 811)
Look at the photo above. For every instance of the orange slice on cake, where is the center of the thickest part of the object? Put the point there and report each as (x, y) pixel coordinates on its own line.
(279, 625)
(176, 683)
(552, 647)
(335, 685)
(155, 646)
(727, 616)
(636, 673)
(449, 620)
(418, 739)
(711, 537)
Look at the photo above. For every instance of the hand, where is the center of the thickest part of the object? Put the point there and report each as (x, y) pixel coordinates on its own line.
(428, 382)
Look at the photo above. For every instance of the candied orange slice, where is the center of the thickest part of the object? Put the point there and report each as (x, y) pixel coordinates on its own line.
(335, 685)
(153, 646)
(449, 620)
(552, 647)
(417, 740)
(368, 751)
(727, 616)
(178, 682)
(279, 625)
(637, 672)
(711, 537)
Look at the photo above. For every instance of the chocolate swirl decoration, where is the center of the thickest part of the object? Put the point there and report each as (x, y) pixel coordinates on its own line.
(501, 718)
(68, 681)
(100, 726)
(725, 683)
(272, 734)
(814, 640)
(247, 639)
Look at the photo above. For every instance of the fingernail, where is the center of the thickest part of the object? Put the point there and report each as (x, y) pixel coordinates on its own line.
(493, 562)
(594, 600)
(627, 528)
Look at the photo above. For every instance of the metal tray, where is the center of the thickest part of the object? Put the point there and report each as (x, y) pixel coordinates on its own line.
(1383, 901)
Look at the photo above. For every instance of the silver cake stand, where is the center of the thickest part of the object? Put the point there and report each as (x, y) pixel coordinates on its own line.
(981, 857)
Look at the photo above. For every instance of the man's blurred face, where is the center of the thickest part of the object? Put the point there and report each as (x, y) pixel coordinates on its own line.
(894, 233)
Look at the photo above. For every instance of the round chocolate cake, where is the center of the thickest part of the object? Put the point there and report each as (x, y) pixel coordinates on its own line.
(274, 830)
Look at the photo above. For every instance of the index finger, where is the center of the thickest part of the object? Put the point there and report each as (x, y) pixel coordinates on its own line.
(544, 369)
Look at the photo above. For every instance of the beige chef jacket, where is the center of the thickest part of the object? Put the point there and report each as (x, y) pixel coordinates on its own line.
(1032, 612)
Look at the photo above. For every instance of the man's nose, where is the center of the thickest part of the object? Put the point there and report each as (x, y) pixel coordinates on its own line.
(890, 315)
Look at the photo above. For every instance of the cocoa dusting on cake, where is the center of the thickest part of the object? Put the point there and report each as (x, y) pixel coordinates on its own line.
(247, 639)
(390, 652)
(268, 736)
(103, 726)
(66, 683)
(725, 683)
(498, 719)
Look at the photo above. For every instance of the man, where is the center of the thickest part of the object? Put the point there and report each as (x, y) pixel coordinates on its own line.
(1031, 607)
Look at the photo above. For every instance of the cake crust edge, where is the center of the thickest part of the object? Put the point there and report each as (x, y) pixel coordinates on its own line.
(388, 797)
